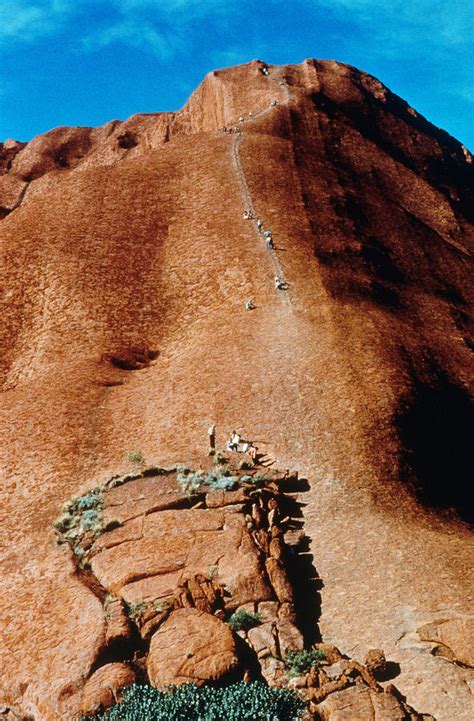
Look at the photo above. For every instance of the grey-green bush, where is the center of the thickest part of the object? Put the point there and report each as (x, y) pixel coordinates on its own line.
(237, 702)
(243, 620)
(298, 662)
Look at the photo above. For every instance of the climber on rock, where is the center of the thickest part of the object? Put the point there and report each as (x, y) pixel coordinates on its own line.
(233, 442)
(280, 284)
(269, 243)
(267, 233)
(249, 304)
(249, 448)
(273, 103)
(211, 431)
(259, 225)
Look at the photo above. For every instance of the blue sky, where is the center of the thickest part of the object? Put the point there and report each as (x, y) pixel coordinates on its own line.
(85, 62)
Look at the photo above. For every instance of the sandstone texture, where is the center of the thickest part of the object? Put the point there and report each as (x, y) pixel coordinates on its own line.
(103, 688)
(191, 646)
(126, 263)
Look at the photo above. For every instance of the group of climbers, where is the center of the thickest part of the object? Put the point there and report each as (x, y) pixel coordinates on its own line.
(267, 234)
(237, 445)
(280, 283)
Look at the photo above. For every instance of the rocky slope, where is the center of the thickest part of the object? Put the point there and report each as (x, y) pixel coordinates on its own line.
(126, 263)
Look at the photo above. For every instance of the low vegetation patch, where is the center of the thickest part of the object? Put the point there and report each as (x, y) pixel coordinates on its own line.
(237, 702)
(80, 518)
(299, 662)
(216, 480)
(135, 457)
(136, 610)
(243, 620)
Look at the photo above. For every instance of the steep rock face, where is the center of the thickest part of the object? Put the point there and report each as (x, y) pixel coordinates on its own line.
(125, 266)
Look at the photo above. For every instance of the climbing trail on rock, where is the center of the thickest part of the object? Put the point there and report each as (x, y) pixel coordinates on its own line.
(19, 200)
(238, 138)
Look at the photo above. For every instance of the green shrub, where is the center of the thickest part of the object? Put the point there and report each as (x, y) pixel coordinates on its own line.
(135, 457)
(259, 479)
(299, 662)
(237, 702)
(82, 517)
(223, 483)
(216, 480)
(243, 620)
(137, 609)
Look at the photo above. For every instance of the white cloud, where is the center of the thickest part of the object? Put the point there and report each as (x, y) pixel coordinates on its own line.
(419, 24)
(138, 33)
(158, 25)
(155, 24)
(23, 20)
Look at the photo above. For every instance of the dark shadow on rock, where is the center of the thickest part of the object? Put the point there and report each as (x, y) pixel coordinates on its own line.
(307, 586)
(248, 660)
(293, 484)
(435, 428)
(392, 671)
(131, 359)
(120, 650)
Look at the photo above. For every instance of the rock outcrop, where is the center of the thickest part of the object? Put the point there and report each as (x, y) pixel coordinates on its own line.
(191, 647)
(174, 614)
(126, 265)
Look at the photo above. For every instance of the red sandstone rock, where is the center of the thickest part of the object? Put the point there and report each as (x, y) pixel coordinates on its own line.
(455, 636)
(279, 580)
(358, 375)
(360, 703)
(191, 646)
(103, 688)
(117, 623)
(289, 636)
(376, 662)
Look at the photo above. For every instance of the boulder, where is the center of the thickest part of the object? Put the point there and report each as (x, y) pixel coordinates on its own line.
(175, 545)
(455, 638)
(277, 548)
(289, 636)
(331, 653)
(140, 496)
(267, 611)
(359, 703)
(279, 580)
(262, 640)
(103, 688)
(376, 662)
(118, 626)
(191, 647)
(272, 669)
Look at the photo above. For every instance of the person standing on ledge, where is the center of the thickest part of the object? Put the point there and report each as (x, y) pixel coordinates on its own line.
(211, 431)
